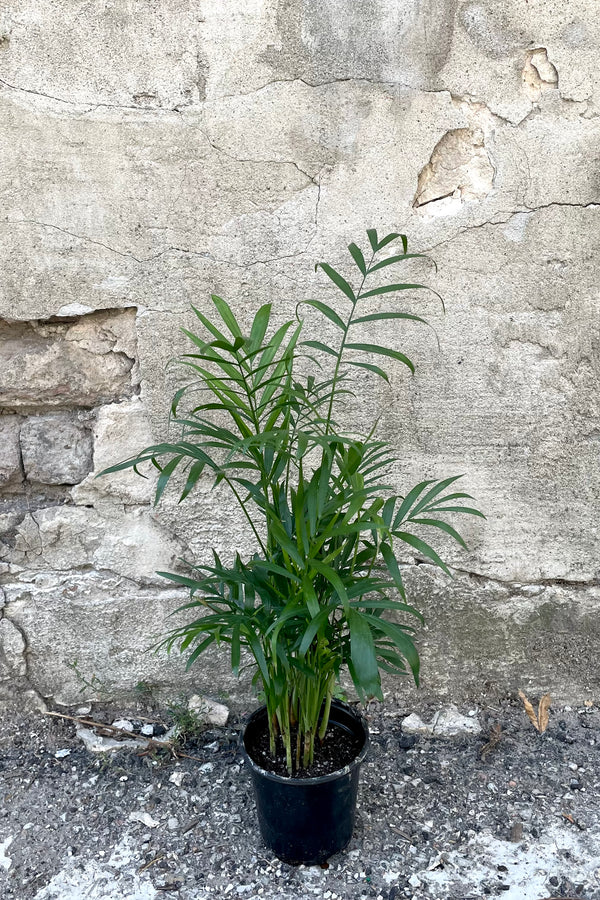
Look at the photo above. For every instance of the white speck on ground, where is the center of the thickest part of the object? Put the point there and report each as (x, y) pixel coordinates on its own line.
(98, 744)
(143, 817)
(5, 861)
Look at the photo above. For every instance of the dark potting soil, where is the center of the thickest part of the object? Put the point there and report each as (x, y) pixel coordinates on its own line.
(337, 749)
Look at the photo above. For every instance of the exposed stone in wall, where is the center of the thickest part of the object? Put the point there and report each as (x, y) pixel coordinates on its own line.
(66, 362)
(120, 431)
(56, 448)
(80, 364)
(108, 626)
(12, 652)
(65, 538)
(539, 74)
(459, 169)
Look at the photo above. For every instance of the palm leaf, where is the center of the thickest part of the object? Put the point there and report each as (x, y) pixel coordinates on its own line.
(337, 279)
(383, 351)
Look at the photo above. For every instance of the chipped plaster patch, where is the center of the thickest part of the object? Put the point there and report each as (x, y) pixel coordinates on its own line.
(539, 74)
(516, 227)
(459, 170)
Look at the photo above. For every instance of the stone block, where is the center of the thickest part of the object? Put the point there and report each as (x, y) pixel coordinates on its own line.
(66, 538)
(56, 448)
(121, 430)
(51, 363)
(447, 722)
(11, 470)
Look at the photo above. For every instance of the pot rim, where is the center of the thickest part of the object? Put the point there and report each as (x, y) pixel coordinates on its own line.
(317, 779)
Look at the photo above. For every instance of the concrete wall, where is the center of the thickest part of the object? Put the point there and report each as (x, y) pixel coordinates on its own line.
(153, 152)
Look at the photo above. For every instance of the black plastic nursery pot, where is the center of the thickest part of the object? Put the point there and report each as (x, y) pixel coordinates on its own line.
(307, 820)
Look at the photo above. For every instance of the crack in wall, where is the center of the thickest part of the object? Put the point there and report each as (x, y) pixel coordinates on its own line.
(517, 586)
(80, 237)
(279, 162)
(456, 99)
(314, 181)
(539, 75)
(87, 107)
(492, 223)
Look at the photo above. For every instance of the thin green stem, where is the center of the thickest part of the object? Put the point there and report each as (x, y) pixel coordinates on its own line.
(327, 707)
(342, 346)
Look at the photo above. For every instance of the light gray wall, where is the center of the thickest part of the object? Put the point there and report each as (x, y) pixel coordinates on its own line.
(153, 152)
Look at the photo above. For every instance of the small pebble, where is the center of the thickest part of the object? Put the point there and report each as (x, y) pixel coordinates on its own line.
(123, 724)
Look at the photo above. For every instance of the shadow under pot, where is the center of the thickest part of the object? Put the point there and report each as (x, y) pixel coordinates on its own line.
(306, 820)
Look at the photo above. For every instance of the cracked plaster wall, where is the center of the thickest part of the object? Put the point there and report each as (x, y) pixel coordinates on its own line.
(154, 153)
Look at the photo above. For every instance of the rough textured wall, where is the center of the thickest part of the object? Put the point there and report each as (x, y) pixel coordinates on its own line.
(151, 152)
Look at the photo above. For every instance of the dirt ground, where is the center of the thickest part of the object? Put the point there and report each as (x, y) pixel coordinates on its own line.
(436, 819)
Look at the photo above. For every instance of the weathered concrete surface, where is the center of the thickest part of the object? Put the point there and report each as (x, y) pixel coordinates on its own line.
(152, 156)
(91, 621)
(74, 38)
(490, 638)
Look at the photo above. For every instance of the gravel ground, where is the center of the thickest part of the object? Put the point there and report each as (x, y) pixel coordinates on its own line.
(435, 819)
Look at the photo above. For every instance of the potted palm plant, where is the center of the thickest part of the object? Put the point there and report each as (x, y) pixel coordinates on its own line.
(323, 592)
